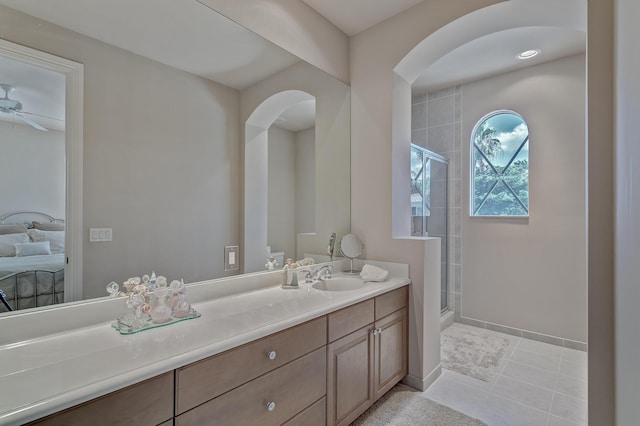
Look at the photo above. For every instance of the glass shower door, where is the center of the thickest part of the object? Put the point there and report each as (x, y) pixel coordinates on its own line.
(429, 201)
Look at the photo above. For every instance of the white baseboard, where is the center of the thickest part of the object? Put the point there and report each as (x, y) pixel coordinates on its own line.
(422, 383)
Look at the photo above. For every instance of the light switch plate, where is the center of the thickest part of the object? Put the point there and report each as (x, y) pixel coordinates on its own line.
(231, 258)
(100, 234)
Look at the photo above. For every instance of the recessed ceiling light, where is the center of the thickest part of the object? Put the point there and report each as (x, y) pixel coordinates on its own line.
(528, 54)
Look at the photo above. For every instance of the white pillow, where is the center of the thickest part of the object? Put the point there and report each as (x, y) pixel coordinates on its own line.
(55, 238)
(8, 242)
(33, 249)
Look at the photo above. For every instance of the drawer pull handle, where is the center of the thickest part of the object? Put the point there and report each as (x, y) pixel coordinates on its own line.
(376, 331)
(271, 355)
(271, 406)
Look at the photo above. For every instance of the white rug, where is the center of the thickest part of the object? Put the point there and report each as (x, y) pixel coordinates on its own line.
(473, 352)
(403, 406)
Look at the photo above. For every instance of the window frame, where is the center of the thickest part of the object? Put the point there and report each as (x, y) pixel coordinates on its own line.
(472, 147)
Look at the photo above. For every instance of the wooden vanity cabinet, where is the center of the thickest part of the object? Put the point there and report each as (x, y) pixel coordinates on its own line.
(367, 362)
(326, 371)
(145, 403)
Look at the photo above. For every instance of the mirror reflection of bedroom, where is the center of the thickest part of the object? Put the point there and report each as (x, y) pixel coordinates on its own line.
(32, 194)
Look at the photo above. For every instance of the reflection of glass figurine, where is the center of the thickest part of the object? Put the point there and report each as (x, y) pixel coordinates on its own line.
(271, 264)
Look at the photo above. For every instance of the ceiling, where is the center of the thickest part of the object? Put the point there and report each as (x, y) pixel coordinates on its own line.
(496, 53)
(218, 48)
(160, 30)
(184, 34)
(354, 16)
(489, 55)
(298, 117)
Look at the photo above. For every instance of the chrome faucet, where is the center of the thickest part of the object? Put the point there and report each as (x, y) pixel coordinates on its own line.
(290, 276)
(328, 269)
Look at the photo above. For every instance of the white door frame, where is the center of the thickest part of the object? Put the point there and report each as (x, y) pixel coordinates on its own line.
(74, 86)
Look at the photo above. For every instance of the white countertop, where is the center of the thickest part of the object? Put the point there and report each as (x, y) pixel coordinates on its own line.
(47, 374)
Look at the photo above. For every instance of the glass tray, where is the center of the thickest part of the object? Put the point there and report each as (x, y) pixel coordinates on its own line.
(127, 329)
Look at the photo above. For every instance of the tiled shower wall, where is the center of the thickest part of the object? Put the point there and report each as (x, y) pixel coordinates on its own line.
(435, 125)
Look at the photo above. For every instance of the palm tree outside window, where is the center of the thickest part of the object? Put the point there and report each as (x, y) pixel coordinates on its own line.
(500, 165)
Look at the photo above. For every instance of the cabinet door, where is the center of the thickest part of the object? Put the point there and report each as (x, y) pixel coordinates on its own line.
(350, 376)
(390, 351)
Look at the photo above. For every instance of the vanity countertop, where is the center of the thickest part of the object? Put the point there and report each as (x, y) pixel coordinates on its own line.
(44, 375)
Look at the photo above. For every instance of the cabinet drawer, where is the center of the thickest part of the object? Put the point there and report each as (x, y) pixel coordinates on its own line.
(204, 380)
(350, 319)
(145, 403)
(390, 302)
(316, 415)
(291, 388)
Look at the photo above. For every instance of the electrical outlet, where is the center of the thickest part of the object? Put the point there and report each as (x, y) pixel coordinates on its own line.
(231, 258)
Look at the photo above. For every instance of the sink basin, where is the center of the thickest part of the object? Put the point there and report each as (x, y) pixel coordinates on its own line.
(339, 284)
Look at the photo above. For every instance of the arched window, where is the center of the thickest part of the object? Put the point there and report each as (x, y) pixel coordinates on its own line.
(500, 165)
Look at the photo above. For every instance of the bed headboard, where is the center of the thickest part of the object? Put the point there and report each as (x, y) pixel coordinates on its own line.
(28, 218)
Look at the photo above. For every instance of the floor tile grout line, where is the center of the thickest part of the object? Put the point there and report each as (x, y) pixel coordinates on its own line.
(540, 353)
(548, 411)
(501, 369)
(514, 346)
(517, 347)
(538, 370)
(521, 403)
(491, 390)
(530, 384)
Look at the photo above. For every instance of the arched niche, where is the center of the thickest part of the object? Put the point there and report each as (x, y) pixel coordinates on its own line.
(256, 169)
(570, 14)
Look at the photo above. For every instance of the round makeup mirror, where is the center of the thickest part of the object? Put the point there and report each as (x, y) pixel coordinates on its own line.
(351, 247)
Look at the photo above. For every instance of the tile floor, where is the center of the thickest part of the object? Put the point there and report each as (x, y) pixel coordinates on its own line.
(537, 384)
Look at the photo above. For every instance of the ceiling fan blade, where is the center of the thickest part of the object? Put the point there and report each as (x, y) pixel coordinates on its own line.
(42, 116)
(30, 122)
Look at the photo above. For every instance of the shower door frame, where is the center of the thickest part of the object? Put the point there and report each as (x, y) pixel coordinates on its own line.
(427, 156)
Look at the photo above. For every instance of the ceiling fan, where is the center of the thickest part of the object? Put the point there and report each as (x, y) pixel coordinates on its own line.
(13, 107)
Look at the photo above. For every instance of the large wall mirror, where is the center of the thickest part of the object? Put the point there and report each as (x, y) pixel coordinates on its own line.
(170, 94)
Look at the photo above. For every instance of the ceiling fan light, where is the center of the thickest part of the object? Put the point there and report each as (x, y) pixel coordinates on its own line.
(528, 54)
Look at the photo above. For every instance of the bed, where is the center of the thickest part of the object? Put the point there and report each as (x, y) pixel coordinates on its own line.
(32, 260)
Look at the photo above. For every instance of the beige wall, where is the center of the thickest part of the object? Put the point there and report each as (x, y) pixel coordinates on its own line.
(33, 171)
(305, 181)
(291, 178)
(295, 27)
(530, 273)
(282, 194)
(374, 54)
(161, 160)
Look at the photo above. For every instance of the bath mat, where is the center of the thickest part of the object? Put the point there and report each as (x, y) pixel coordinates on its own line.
(403, 406)
(475, 353)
